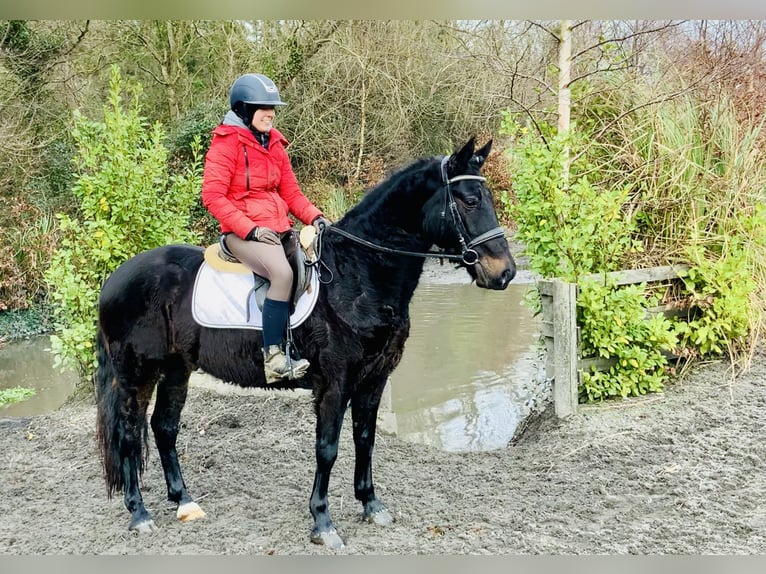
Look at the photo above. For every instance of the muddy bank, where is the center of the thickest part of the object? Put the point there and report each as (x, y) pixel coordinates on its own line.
(677, 473)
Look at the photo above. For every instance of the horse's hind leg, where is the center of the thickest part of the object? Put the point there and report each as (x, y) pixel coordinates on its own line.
(132, 437)
(171, 397)
(122, 397)
(364, 412)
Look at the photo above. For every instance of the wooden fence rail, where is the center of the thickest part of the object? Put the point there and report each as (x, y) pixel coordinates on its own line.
(564, 365)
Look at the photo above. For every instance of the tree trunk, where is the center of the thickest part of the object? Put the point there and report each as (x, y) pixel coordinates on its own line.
(565, 62)
(565, 100)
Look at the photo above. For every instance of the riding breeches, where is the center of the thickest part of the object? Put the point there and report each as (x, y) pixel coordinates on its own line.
(266, 260)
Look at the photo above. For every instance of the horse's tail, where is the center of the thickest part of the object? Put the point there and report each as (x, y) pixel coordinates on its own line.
(112, 424)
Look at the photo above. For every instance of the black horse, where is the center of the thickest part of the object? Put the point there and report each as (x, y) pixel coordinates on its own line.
(371, 261)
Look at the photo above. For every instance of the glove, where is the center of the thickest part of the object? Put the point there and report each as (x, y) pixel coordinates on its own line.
(320, 222)
(264, 235)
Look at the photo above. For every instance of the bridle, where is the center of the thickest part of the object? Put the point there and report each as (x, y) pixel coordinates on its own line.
(469, 256)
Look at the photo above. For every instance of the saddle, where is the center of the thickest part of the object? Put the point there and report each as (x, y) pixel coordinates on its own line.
(298, 250)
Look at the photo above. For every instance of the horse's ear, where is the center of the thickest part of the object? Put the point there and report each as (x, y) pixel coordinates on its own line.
(459, 161)
(481, 156)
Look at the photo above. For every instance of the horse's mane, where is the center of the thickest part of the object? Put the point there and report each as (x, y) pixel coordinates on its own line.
(392, 186)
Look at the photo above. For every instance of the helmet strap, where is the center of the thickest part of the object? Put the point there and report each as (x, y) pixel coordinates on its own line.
(245, 112)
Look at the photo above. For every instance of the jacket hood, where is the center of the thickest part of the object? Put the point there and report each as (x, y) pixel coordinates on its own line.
(232, 119)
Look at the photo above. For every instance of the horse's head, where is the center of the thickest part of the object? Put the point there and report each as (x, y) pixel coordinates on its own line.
(462, 219)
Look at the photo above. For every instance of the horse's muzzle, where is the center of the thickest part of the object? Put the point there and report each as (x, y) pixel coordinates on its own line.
(494, 272)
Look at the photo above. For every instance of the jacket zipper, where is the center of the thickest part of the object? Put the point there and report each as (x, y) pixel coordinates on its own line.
(247, 169)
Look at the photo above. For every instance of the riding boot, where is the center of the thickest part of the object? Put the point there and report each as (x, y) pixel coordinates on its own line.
(277, 365)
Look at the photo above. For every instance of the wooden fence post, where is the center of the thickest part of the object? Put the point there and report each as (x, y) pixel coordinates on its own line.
(565, 348)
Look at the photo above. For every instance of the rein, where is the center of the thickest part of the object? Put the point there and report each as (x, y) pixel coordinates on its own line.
(384, 249)
(468, 257)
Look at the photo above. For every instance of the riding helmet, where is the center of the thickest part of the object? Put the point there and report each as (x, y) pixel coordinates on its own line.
(254, 89)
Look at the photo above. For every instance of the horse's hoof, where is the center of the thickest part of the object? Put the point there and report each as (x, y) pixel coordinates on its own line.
(144, 527)
(189, 511)
(329, 538)
(380, 517)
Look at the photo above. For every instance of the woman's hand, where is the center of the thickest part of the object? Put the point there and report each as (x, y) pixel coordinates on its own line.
(264, 235)
(320, 222)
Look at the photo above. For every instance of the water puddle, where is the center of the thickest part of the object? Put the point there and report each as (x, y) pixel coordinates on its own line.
(29, 364)
(470, 371)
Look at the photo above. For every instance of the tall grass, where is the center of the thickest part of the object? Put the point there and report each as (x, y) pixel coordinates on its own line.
(334, 201)
(697, 182)
(693, 171)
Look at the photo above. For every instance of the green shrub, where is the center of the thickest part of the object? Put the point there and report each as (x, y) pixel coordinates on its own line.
(720, 290)
(682, 181)
(614, 327)
(570, 226)
(698, 179)
(129, 201)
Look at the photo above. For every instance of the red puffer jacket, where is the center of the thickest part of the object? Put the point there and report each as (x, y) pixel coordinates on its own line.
(245, 185)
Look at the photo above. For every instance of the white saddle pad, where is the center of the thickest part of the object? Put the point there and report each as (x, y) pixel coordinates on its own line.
(225, 300)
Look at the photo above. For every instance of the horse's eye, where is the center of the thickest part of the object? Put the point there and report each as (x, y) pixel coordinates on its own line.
(470, 201)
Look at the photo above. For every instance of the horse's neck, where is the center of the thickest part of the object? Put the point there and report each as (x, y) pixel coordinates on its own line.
(366, 294)
(392, 221)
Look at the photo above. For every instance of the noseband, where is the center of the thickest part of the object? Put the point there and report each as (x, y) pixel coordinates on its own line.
(469, 256)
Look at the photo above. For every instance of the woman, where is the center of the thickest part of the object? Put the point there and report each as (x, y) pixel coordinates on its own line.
(250, 188)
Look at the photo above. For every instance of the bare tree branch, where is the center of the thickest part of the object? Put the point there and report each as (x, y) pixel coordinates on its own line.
(628, 37)
(78, 41)
(546, 30)
(659, 100)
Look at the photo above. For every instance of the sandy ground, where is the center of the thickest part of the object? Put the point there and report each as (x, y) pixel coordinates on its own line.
(683, 472)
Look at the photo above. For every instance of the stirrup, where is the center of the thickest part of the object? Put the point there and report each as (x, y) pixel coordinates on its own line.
(278, 366)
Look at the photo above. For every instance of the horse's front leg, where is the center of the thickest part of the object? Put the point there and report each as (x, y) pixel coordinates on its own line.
(364, 412)
(330, 408)
(171, 397)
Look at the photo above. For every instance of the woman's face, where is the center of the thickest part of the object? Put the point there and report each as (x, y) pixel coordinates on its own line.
(262, 119)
